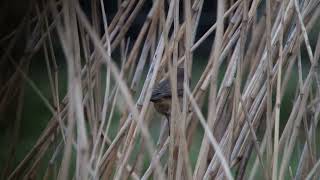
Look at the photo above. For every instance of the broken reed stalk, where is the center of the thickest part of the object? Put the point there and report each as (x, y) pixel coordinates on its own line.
(259, 55)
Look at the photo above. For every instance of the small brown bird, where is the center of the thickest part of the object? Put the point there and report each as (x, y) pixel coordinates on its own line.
(161, 94)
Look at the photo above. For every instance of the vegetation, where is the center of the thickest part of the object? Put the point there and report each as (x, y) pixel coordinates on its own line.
(251, 108)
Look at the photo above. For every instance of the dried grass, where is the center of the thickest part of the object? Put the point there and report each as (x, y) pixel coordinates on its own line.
(259, 52)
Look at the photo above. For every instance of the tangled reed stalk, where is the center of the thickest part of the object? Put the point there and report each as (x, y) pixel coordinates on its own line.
(256, 49)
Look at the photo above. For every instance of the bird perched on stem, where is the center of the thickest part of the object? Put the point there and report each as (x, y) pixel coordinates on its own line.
(161, 94)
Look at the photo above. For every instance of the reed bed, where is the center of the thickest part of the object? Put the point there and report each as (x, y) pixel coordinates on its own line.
(256, 49)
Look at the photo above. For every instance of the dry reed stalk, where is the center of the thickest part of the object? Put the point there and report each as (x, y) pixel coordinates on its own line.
(122, 86)
(212, 115)
(254, 55)
(269, 89)
(213, 141)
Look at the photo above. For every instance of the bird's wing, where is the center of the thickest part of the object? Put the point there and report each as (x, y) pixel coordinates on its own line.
(162, 90)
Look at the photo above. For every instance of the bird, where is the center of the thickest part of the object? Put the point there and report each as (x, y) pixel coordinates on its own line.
(161, 94)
